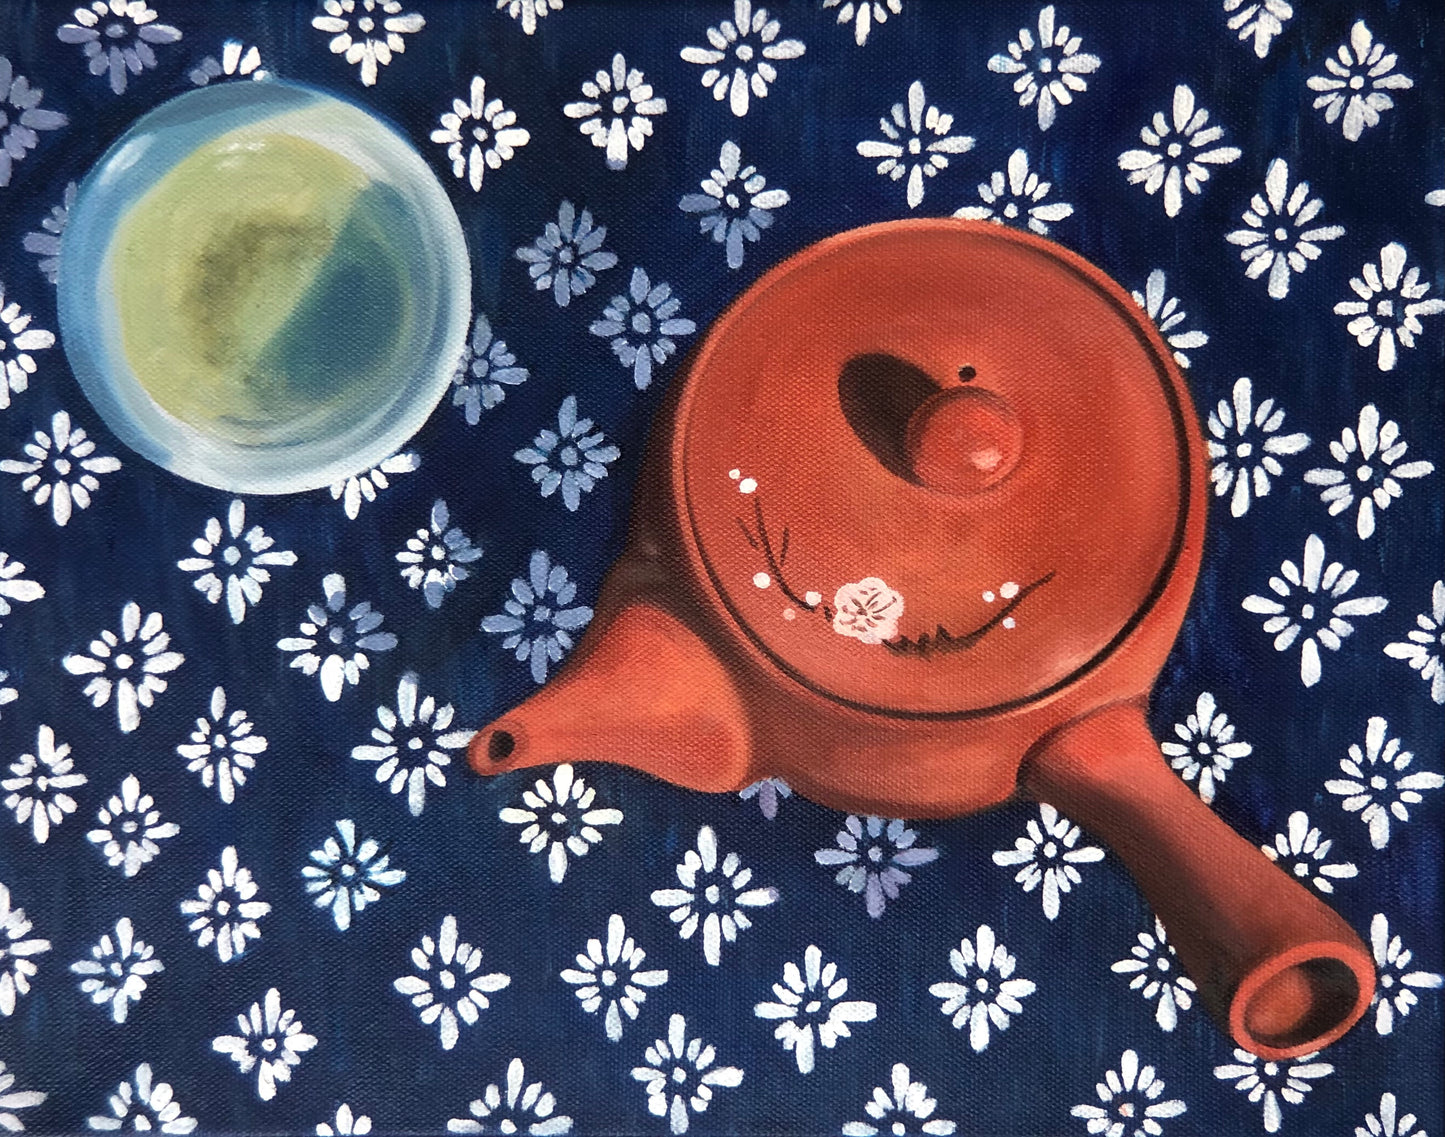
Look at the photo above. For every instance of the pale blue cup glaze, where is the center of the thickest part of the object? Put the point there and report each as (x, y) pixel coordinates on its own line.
(309, 450)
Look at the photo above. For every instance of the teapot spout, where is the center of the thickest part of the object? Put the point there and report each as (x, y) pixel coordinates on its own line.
(641, 690)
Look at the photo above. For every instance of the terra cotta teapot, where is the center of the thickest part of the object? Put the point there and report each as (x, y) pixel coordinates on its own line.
(916, 531)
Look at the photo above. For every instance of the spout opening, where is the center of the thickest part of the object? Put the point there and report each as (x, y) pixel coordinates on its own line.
(1301, 1000)
(500, 745)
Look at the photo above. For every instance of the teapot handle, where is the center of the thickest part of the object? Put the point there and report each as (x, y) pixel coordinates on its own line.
(1277, 968)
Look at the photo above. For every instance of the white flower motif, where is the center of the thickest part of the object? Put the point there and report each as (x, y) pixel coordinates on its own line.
(46, 244)
(1155, 969)
(349, 874)
(19, 125)
(130, 826)
(435, 559)
(571, 458)
(137, 658)
(617, 111)
(38, 782)
(244, 560)
(1276, 240)
(1343, 89)
(17, 340)
(413, 743)
(1206, 748)
(867, 610)
(485, 369)
(1060, 75)
(224, 910)
(71, 475)
(15, 590)
(683, 1069)
(351, 491)
(144, 1103)
(1248, 459)
(345, 1123)
(222, 748)
(1316, 617)
(1395, 987)
(528, 11)
(564, 258)
(917, 155)
(713, 894)
(117, 35)
(1389, 1123)
(12, 1100)
(8, 694)
(1435, 197)
(908, 1102)
(237, 61)
(734, 204)
(459, 993)
(1166, 163)
(1048, 855)
(346, 641)
(873, 854)
(278, 1037)
(560, 818)
(1301, 853)
(1424, 646)
(1129, 1101)
(116, 971)
(540, 617)
(864, 14)
(768, 791)
(1006, 203)
(749, 44)
(1262, 19)
(613, 976)
(1395, 316)
(527, 1109)
(490, 127)
(1167, 315)
(1269, 1081)
(371, 46)
(982, 998)
(1368, 790)
(16, 966)
(642, 323)
(1376, 481)
(809, 1000)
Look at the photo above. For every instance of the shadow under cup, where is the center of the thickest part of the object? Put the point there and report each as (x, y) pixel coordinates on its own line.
(263, 288)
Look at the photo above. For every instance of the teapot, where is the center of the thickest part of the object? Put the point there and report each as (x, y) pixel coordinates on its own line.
(915, 532)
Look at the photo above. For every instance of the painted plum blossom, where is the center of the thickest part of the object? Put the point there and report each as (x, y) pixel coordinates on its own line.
(867, 610)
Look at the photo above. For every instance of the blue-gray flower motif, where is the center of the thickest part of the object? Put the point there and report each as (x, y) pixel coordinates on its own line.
(46, 245)
(568, 254)
(874, 864)
(435, 558)
(642, 326)
(734, 203)
(20, 117)
(570, 457)
(486, 366)
(540, 617)
(117, 35)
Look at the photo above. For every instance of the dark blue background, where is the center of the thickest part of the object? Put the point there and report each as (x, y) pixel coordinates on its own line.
(459, 858)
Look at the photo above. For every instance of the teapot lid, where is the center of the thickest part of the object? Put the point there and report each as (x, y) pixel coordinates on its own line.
(934, 467)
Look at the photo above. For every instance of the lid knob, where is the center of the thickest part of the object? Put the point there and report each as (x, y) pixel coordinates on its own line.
(963, 440)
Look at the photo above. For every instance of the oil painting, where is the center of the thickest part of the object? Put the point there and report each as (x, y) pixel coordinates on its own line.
(864, 567)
